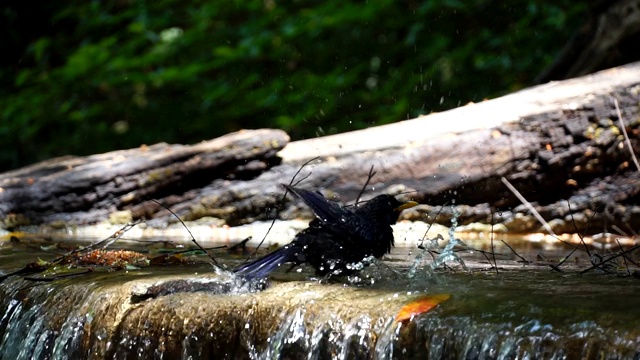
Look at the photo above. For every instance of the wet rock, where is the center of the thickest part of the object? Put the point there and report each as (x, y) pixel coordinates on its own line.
(121, 217)
(521, 223)
(204, 316)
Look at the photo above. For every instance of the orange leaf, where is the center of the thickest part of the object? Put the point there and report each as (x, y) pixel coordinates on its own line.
(420, 305)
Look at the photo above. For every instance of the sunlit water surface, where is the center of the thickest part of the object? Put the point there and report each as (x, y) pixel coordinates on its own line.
(517, 311)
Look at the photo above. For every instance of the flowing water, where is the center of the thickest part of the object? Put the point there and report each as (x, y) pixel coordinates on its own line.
(518, 312)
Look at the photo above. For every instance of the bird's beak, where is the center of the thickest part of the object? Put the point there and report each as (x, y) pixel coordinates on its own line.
(406, 205)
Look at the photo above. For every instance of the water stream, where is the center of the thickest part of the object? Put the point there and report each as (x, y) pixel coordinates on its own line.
(521, 311)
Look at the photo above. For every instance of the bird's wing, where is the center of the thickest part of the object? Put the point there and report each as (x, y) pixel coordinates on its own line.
(262, 267)
(325, 210)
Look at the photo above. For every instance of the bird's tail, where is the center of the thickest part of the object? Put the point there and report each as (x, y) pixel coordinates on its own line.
(262, 267)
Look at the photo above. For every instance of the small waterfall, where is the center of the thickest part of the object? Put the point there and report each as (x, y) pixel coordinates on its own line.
(151, 315)
(44, 320)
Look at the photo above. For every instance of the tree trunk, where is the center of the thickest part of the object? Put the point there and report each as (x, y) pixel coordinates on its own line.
(609, 37)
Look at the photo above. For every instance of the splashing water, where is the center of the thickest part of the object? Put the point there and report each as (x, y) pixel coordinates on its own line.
(449, 254)
(292, 337)
(446, 254)
(425, 247)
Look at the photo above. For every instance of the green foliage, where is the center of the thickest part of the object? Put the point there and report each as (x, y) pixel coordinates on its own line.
(98, 75)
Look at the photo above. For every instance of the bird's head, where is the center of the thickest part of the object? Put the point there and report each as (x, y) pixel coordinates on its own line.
(385, 208)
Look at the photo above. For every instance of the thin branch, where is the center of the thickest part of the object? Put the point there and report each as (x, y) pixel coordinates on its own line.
(626, 136)
(489, 261)
(193, 239)
(364, 187)
(57, 277)
(575, 227)
(537, 215)
(242, 245)
(610, 259)
(102, 243)
(190, 250)
(297, 182)
(528, 205)
(631, 230)
(586, 248)
(624, 257)
(493, 251)
(431, 223)
(113, 238)
(468, 248)
(620, 231)
(515, 253)
(281, 202)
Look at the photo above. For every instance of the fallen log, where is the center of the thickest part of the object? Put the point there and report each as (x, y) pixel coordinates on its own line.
(560, 144)
(80, 190)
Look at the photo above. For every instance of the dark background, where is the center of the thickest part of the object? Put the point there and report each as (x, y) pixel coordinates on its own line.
(92, 76)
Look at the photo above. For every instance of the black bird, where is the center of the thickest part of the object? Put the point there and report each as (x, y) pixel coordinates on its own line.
(337, 239)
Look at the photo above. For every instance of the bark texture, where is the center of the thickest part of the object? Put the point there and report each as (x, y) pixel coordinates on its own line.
(87, 189)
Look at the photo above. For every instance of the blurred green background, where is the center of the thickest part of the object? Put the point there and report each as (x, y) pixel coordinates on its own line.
(92, 76)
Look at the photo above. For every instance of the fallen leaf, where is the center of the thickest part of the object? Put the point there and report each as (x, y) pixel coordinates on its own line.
(420, 305)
